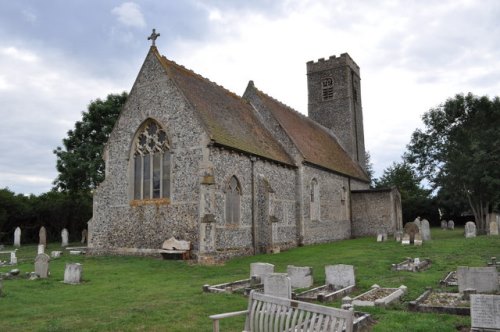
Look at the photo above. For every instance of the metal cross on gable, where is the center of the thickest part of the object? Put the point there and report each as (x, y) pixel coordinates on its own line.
(153, 36)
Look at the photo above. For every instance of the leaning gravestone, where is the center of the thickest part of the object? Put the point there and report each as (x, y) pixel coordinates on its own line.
(43, 236)
(340, 275)
(470, 229)
(425, 230)
(278, 284)
(411, 229)
(17, 237)
(485, 312)
(482, 279)
(300, 276)
(73, 273)
(84, 236)
(444, 224)
(493, 228)
(42, 265)
(451, 224)
(261, 270)
(64, 237)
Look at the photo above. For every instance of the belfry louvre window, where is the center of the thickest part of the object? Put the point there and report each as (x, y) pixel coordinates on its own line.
(327, 88)
(151, 163)
(233, 198)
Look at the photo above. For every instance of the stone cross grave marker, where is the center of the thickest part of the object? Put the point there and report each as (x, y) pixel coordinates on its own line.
(84, 236)
(470, 229)
(485, 312)
(73, 273)
(42, 265)
(300, 276)
(425, 230)
(64, 237)
(451, 224)
(17, 237)
(493, 228)
(42, 236)
(482, 279)
(261, 270)
(278, 284)
(340, 275)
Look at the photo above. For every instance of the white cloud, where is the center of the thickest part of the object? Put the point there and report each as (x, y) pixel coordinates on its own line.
(129, 14)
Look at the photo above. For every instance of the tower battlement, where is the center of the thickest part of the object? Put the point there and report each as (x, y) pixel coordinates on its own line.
(333, 61)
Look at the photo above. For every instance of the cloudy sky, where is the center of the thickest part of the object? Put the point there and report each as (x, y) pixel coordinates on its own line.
(58, 55)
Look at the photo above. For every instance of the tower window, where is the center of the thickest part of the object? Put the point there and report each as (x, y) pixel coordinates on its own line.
(327, 88)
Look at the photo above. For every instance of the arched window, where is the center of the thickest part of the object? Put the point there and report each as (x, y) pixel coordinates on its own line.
(151, 162)
(233, 198)
(327, 87)
(315, 200)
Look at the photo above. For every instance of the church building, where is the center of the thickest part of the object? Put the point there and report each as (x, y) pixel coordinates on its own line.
(237, 175)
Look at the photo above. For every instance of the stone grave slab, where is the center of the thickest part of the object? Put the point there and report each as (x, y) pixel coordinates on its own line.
(493, 228)
(278, 284)
(450, 279)
(441, 303)
(485, 312)
(73, 273)
(64, 237)
(257, 273)
(425, 230)
(379, 296)
(300, 276)
(412, 265)
(482, 279)
(42, 265)
(340, 281)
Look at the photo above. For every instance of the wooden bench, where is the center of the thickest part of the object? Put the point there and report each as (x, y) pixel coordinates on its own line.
(268, 313)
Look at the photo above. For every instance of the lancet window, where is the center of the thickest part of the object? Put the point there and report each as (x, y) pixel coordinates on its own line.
(315, 200)
(233, 199)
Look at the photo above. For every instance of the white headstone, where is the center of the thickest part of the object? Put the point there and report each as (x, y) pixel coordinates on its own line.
(42, 265)
(482, 279)
(470, 229)
(300, 276)
(425, 230)
(41, 249)
(278, 284)
(17, 237)
(418, 239)
(416, 261)
(43, 236)
(55, 254)
(381, 237)
(451, 224)
(406, 239)
(261, 270)
(64, 237)
(340, 275)
(73, 273)
(13, 258)
(444, 224)
(493, 228)
(485, 312)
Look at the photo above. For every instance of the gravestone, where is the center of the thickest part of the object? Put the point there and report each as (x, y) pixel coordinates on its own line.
(42, 236)
(470, 229)
(41, 249)
(13, 258)
(425, 230)
(444, 224)
(42, 265)
(482, 279)
(418, 239)
(451, 224)
(64, 237)
(411, 229)
(485, 312)
(17, 237)
(300, 276)
(73, 273)
(406, 239)
(493, 228)
(84, 236)
(340, 275)
(278, 284)
(381, 237)
(418, 222)
(261, 270)
(56, 254)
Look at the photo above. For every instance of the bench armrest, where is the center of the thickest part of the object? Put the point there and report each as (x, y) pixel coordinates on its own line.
(215, 318)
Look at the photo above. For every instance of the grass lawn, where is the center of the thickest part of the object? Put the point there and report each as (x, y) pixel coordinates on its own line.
(149, 294)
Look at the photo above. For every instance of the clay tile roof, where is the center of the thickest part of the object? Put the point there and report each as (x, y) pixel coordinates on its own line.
(230, 120)
(317, 144)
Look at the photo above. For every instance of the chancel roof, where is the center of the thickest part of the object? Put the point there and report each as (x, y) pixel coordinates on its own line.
(229, 119)
(317, 144)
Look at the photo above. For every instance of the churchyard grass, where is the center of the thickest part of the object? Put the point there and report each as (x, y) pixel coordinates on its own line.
(150, 294)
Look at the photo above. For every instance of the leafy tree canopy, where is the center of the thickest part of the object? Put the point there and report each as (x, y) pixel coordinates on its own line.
(79, 162)
(458, 151)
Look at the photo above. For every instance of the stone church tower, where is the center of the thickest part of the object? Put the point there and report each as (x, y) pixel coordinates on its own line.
(334, 92)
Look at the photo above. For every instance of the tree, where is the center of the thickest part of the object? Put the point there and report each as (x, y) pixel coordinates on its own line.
(369, 167)
(415, 200)
(79, 163)
(458, 152)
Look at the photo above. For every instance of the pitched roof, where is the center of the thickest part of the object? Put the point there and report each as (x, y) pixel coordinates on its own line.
(316, 143)
(229, 119)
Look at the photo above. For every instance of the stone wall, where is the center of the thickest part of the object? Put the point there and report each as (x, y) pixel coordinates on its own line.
(376, 210)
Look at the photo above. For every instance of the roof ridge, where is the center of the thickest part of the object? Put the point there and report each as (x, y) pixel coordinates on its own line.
(280, 102)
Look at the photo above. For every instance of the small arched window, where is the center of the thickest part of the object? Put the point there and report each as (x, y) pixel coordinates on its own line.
(233, 198)
(327, 88)
(151, 162)
(315, 200)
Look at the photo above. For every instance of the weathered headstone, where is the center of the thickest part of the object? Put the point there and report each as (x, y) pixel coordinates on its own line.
(451, 224)
(340, 275)
(17, 237)
(64, 237)
(406, 239)
(425, 230)
(493, 228)
(56, 254)
(411, 229)
(43, 236)
(41, 249)
(42, 265)
(84, 236)
(13, 258)
(482, 279)
(73, 273)
(470, 229)
(418, 239)
(261, 270)
(381, 237)
(398, 236)
(278, 284)
(444, 224)
(300, 276)
(485, 312)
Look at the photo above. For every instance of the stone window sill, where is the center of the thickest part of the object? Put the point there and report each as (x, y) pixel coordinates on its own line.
(156, 201)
